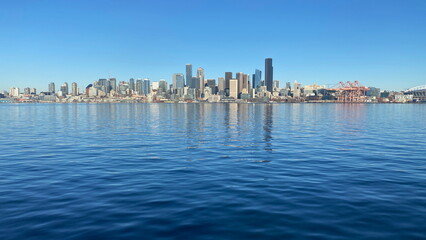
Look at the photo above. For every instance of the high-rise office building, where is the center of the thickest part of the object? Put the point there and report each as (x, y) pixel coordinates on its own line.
(257, 78)
(178, 81)
(14, 92)
(103, 84)
(189, 82)
(33, 91)
(132, 84)
(123, 88)
(276, 84)
(162, 86)
(155, 86)
(200, 76)
(139, 87)
(52, 87)
(211, 83)
(146, 86)
(64, 88)
(228, 76)
(196, 82)
(74, 89)
(269, 74)
(233, 88)
(297, 89)
(27, 91)
(113, 84)
(240, 77)
(246, 79)
(221, 85)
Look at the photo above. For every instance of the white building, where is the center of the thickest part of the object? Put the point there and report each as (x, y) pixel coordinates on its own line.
(93, 92)
(155, 86)
(233, 88)
(14, 92)
(297, 90)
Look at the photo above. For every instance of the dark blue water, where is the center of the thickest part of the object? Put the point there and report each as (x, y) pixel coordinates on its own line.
(212, 171)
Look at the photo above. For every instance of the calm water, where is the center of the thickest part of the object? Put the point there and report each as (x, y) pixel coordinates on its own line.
(212, 171)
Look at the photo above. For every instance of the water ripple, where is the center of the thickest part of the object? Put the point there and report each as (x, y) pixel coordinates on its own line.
(212, 171)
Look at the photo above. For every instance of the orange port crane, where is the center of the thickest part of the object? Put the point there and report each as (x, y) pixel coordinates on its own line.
(350, 92)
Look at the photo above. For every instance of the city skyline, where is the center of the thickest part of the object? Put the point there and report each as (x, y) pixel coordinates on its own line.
(379, 44)
(241, 88)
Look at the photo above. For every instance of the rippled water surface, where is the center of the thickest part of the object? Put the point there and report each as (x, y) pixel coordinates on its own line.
(212, 171)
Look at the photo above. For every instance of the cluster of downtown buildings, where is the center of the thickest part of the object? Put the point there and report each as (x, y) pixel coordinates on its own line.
(238, 87)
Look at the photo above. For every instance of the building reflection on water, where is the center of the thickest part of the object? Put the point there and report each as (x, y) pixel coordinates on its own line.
(247, 126)
(267, 127)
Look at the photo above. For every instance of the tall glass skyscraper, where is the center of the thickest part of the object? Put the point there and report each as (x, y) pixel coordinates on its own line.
(178, 81)
(52, 87)
(132, 84)
(257, 78)
(138, 86)
(269, 74)
(200, 75)
(162, 85)
(146, 86)
(113, 84)
(189, 82)
(228, 77)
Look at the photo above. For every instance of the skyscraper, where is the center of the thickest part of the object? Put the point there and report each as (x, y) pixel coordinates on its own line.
(132, 84)
(257, 78)
(103, 84)
(113, 84)
(14, 92)
(269, 74)
(196, 82)
(155, 86)
(228, 76)
(240, 77)
(200, 75)
(246, 79)
(74, 89)
(139, 87)
(233, 88)
(162, 86)
(189, 82)
(297, 89)
(52, 87)
(146, 86)
(64, 88)
(221, 85)
(211, 83)
(178, 81)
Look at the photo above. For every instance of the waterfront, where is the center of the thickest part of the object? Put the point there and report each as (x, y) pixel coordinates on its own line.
(211, 171)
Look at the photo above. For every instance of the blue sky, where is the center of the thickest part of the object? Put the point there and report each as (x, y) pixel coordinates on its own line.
(380, 43)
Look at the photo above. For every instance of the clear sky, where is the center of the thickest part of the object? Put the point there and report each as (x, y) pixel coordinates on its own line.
(381, 43)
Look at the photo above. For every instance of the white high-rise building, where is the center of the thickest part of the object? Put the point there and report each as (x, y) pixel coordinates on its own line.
(297, 89)
(64, 88)
(74, 89)
(233, 88)
(200, 76)
(155, 86)
(14, 92)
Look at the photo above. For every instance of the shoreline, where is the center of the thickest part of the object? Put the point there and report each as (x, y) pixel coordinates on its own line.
(271, 102)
